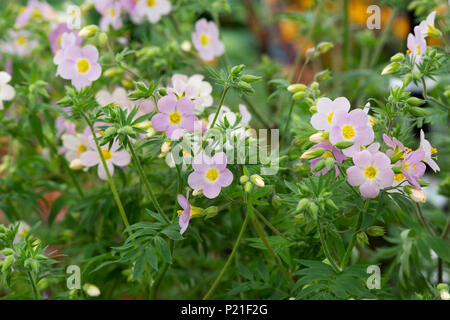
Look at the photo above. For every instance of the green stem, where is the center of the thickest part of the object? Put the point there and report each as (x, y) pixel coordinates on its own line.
(146, 182)
(222, 98)
(230, 259)
(423, 220)
(263, 237)
(268, 224)
(349, 250)
(325, 248)
(108, 174)
(33, 286)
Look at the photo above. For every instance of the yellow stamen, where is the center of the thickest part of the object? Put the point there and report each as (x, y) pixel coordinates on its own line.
(330, 117)
(151, 3)
(433, 150)
(399, 177)
(106, 154)
(205, 39)
(372, 120)
(175, 117)
(59, 40)
(212, 174)
(327, 154)
(418, 50)
(83, 66)
(348, 132)
(81, 148)
(180, 212)
(370, 172)
(21, 40)
(408, 51)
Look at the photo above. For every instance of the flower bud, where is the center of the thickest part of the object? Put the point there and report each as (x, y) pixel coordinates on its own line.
(91, 290)
(186, 46)
(315, 85)
(299, 95)
(102, 39)
(391, 68)
(111, 72)
(433, 32)
(313, 109)
(416, 74)
(323, 76)
(325, 46)
(88, 31)
(248, 186)
(415, 102)
(418, 112)
(7, 252)
(7, 262)
(250, 78)
(319, 166)
(197, 192)
(418, 195)
(362, 238)
(243, 179)
(144, 125)
(246, 87)
(313, 209)
(331, 204)
(301, 205)
(210, 212)
(319, 137)
(312, 153)
(276, 201)
(76, 164)
(310, 53)
(423, 183)
(407, 79)
(395, 156)
(257, 180)
(109, 132)
(237, 69)
(398, 57)
(344, 144)
(296, 87)
(375, 231)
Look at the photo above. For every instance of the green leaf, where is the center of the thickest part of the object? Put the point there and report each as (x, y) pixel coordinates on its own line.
(152, 258)
(163, 249)
(139, 267)
(439, 246)
(36, 127)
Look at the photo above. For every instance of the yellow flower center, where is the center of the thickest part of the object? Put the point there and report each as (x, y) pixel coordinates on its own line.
(205, 39)
(327, 154)
(330, 117)
(370, 172)
(113, 12)
(21, 40)
(405, 165)
(372, 120)
(151, 3)
(212, 174)
(59, 39)
(399, 177)
(408, 51)
(82, 148)
(418, 50)
(83, 65)
(348, 132)
(175, 118)
(36, 13)
(106, 154)
(433, 150)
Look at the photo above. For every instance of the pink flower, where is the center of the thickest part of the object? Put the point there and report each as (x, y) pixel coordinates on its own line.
(413, 167)
(80, 65)
(210, 174)
(326, 109)
(426, 147)
(34, 7)
(194, 88)
(75, 145)
(354, 127)
(427, 25)
(67, 40)
(19, 42)
(153, 9)
(185, 216)
(91, 158)
(110, 11)
(175, 115)
(64, 126)
(120, 97)
(371, 172)
(56, 35)
(416, 46)
(393, 143)
(332, 152)
(206, 40)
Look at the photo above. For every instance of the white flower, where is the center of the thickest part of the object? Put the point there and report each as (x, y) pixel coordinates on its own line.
(225, 112)
(427, 26)
(91, 290)
(193, 88)
(426, 147)
(416, 45)
(246, 116)
(120, 97)
(418, 195)
(75, 145)
(153, 9)
(7, 92)
(24, 228)
(19, 42)
(326, 109)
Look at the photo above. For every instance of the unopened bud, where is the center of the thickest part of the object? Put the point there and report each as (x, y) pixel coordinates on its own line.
(237, 69)
(296, 87)
(375, 231)
(102, 39)
(407, 79)
(109, 132)
(398, 57)
(331, 204)
(246, 87)
(312, 153)
(418, 195)
(243, 179)
(344, 144)
(186, 46)
(362, 238)
(325, 46)
(250, 78)
(415, 102)
(418, 112)
(323, 76)
(247, 186)
(299, 95)
(391, 68)
(319, 137)
(319, 166)
(329, 163)
(301, 205)
(88, 31)
(313, 209)
(76, 164)
(257, 180)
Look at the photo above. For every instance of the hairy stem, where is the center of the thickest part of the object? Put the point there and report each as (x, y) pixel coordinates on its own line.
(33, 286)
(222, 98)
(325, 248)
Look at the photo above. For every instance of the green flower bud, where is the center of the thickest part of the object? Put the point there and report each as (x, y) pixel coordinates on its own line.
(407, 79)
(102, 38)
(250, 79)
(375, 231)
(319, 137)
(297, 87)
(109, 132)
(329, 163)
(310, 102)
(324, 47)
(128, 130)
(433, 32)
(416, 74)
(7, 252)
(315, 85)
(299, 95)
(88, 31)
(397, 168)
(276, 201)
(313, 209)
(313, 109)
(398, 57)
(391, 68)
(323, 76)
(319, 166)
(248, 186)
(236, 70)
(210, 212)
(447, 94)
(395, 156)
(415, 102)
(362, 238)
(344, 144)
(331, 204)
(111, 72)
(311, 53)
(312, 153)
(7, 262)
(246, 87)
(301, 205)
(418, 112)
(243, 179)
(423, 183)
